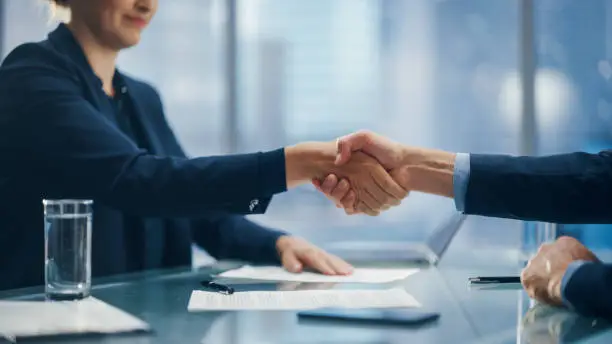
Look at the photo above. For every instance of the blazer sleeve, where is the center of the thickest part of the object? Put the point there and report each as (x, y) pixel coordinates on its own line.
(566, 188)
(52, 135)
(589, 290)
(235, 237)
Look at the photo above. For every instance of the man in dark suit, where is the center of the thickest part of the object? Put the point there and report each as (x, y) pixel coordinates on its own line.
(567, 188)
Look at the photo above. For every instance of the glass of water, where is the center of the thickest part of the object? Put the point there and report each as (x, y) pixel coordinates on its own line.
(67, 249)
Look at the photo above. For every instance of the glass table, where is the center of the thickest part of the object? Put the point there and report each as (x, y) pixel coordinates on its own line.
(494, 314)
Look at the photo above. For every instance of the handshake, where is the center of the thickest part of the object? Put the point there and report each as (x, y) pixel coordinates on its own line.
(367, 173)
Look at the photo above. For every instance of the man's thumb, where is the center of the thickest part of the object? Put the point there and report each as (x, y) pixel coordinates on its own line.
(348, 144)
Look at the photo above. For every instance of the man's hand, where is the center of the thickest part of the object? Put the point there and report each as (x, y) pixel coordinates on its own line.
(389, 153)
(374, 189)
(297, 254)
(426, 170)
(542, 276)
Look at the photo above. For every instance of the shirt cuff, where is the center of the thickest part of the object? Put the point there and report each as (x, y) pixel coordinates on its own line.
(569, 272)
(461, 176)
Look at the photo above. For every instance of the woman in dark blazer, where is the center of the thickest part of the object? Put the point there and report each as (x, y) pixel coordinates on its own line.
(73, 126)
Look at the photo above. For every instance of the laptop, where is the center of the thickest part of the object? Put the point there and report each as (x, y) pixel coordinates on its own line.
(429, 252)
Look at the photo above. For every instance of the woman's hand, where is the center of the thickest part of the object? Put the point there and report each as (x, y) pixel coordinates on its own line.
(338, 191)
(298, 254)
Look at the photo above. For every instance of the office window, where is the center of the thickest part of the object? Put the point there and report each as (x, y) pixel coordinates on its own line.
(574, 52)
(180, 54)
(430, 73)
(24, 21)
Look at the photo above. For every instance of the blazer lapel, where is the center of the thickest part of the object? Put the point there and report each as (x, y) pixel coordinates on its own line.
(154, 228)
(137, 98)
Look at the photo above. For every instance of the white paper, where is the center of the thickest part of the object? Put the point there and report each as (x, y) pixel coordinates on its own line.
(359, 275)
(41, 318)
(300, 300)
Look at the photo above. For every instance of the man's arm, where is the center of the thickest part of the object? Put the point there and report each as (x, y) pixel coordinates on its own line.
(516, 187)
(565, 272)
(565, 188)
(588, 289)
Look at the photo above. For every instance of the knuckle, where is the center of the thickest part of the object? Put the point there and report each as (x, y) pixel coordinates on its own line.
(543, 247)
(343, 184)
(567, 240)
(531, 293)
(363, 133)
(524, 273)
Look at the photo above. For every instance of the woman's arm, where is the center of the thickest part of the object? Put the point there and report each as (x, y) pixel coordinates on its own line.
(50, 132)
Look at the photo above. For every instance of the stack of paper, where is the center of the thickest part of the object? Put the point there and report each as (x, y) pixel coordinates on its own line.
(359, 275)
(300, 300)
(38, 318)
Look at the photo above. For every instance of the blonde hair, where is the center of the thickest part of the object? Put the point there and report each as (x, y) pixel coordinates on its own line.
(59, 11)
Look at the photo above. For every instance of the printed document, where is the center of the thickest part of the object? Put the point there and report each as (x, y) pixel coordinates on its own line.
(300, 300)
(40, 318)
(359, 275)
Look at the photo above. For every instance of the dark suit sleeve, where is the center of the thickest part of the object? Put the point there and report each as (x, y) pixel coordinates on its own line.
(589, 290)
(70, 150)
(567, 188)
(235, 237)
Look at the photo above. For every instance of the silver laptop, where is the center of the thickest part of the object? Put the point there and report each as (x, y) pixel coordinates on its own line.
(429, 252)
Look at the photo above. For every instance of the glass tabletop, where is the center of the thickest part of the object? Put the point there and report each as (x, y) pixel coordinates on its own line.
(491, 314)
(496, 314)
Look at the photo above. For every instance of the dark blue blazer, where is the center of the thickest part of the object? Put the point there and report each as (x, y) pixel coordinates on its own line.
(59, 139)
(567, 188)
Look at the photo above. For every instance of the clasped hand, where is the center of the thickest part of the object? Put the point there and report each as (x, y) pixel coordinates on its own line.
(370, 188)
(379, 163)
(373, 187)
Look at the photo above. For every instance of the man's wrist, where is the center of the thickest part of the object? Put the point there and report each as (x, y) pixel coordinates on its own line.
(431, 171)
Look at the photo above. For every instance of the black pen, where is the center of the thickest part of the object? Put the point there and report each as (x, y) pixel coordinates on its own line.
(495, 279)
(220, 288)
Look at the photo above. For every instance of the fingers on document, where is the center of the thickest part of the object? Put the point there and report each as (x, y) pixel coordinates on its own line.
(317, 260)
(291, 262)
(340, 266)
